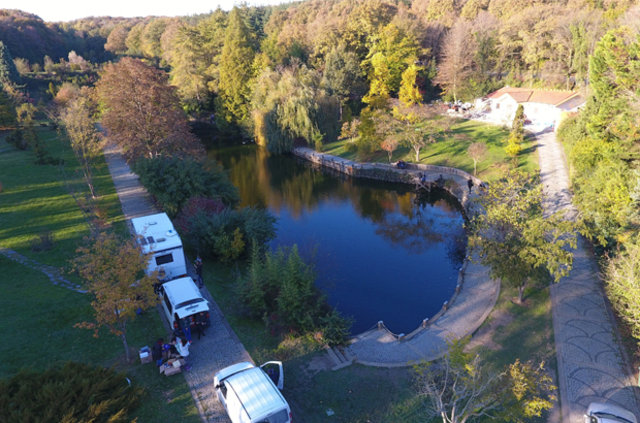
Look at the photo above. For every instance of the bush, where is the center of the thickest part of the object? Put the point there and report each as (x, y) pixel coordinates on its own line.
(17, 139)
(72, 393)
(279, 287)
(225, 233)
(173, 181)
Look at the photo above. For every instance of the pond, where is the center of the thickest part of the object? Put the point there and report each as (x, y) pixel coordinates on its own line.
(380, 251)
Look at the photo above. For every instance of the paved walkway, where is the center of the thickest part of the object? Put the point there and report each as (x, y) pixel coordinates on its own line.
(591, 364)
(220, 347)
(466, 313)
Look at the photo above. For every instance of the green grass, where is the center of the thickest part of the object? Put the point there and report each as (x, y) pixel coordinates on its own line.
(452, 151)
(38, 317)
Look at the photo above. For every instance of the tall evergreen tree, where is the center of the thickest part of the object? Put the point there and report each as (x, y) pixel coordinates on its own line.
(8, 72)
(236, 70)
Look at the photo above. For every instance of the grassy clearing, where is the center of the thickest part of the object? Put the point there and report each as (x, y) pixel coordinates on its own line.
(452, 151)
(38, 316)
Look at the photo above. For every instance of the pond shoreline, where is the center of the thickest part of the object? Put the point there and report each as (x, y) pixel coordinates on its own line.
(456, 182)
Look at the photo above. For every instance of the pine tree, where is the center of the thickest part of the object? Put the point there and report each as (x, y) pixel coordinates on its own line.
(235, 69)
(8, 73)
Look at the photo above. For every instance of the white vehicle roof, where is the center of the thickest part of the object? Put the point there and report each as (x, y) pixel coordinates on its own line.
(156, 233)
(185, 297)
(255, 390)
(610, 413)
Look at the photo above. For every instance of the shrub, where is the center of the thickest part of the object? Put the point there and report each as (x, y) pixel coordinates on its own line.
(16, 138)
(280, 288)
(224, 233)
(173, 181)
(72, 393)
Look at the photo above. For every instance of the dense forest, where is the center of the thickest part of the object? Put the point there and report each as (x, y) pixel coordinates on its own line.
(316, 70)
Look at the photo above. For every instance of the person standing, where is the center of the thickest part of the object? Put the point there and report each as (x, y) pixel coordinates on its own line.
(182, 346)
(156, 352)
(200, 322)
(198, 267)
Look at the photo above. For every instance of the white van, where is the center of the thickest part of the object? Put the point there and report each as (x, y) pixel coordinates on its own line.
(181, 299)
(250, 395)
(155, 234)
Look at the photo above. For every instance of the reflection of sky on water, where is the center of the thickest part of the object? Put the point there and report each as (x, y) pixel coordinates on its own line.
(379, 254)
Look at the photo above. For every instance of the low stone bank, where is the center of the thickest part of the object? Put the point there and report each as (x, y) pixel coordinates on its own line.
(453, 180)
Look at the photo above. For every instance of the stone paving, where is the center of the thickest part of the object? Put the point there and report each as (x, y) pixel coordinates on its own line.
(220, 347)
(592, 365)
(54, 274)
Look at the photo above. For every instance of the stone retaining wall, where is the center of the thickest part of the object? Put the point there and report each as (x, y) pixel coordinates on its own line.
(455, 180)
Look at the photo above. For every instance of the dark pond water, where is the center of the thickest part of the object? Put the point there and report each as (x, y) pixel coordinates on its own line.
(380, 252)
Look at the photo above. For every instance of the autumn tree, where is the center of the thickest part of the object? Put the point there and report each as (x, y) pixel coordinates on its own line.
(419, 126)
(477, 151)
(86, 141)
(379, 92)
(113, 272)
(461, 388)
(235, 69)
(117, 38)
(512, 237)
(390, 144)
(141, 112)
(457, 59)
(409, 92)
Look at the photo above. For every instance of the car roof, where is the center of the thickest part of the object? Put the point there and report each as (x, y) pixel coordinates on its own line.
(156, 232)
(256, 391)
(611, 409)
(183, 290)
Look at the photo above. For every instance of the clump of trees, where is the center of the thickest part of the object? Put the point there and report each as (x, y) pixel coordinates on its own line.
(172, 181)
(279, 288)
(73, 392)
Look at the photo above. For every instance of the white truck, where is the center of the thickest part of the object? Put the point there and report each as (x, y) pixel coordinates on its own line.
(156, 235)
(251, 394)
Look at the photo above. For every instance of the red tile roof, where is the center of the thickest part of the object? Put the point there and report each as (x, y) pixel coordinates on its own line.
(524, 95)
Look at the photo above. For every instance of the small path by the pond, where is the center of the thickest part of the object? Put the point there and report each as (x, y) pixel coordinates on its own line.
(592, 365)
(54, 274)
(213, 352)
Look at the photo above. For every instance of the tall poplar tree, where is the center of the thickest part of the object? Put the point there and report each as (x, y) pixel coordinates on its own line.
(236, 70)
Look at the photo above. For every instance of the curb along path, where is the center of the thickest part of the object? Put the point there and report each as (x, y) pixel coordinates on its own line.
(592, 366)
(220, 347)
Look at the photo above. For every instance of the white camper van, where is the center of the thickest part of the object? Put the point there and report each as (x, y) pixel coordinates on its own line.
(250, 395)
(181, 300)
(156, 235)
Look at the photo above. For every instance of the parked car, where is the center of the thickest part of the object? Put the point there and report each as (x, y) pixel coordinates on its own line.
(251, 394)
(181, 300)
(608, 413)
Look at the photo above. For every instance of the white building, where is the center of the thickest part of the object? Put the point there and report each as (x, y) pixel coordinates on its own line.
(542, 108)
(155, 234)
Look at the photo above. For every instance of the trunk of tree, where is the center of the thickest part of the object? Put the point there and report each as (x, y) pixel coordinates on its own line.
(126, 347)
(521, 292)
(417, 150)
(475, 167)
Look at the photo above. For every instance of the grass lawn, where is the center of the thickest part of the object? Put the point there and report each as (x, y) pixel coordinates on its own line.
(452, 151)
(39, 317)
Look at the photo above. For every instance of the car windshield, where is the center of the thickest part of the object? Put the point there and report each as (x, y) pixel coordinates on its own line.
(189, 302)
(612, 417)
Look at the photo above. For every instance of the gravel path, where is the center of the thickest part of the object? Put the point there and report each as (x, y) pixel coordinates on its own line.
(220, 347)
(592, 366)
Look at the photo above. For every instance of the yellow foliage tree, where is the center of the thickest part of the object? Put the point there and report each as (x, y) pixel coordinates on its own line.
(113, 272)
(409, 93)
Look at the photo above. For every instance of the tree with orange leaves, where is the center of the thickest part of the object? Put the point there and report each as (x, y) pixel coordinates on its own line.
(141, 111)
(113, 271)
